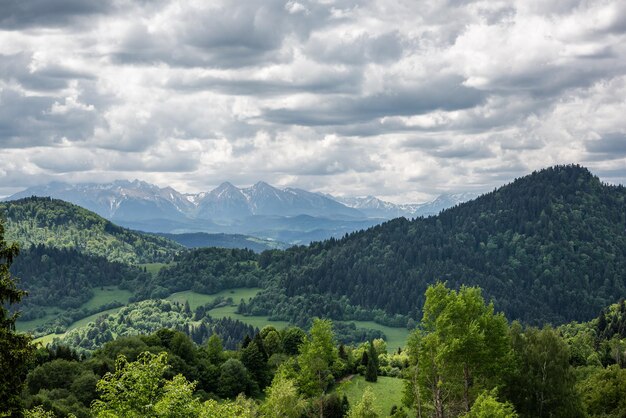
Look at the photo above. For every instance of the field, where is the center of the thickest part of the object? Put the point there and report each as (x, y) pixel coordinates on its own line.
(255, 321)
(198, 299)
(105, 295)
(154, 268)
(396, 337)
(387, 390)
(101, 296)
(23, 326)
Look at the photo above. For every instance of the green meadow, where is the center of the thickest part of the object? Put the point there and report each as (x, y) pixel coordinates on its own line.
(387, 391)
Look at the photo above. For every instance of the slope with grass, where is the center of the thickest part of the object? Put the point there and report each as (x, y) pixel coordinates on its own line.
(387, 391)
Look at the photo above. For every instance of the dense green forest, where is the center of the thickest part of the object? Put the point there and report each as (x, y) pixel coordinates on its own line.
(549, 247)
(55, 223)
(464, 360)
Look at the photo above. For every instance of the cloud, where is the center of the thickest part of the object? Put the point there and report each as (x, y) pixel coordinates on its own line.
(611, 145)
(444, 93)
(19, 14)
(403, 100)
(38, 120)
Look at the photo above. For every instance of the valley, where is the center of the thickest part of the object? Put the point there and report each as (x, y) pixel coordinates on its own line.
(537, 265)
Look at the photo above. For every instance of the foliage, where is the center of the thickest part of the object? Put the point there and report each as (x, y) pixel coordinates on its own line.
(366, 407)
(239, 408)
(133, 389)
(318, 355)
(488, 406)
(282, 399)
(461, 346)
(234, 379)
(541, 383)
(15, 348)
(603, 392)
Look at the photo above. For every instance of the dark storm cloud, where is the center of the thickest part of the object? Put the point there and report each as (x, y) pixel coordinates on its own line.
(439, 94)
(20, 14)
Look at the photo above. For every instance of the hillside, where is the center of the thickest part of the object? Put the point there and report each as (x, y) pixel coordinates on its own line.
(58, 224)
(65, 278)
(549, 247)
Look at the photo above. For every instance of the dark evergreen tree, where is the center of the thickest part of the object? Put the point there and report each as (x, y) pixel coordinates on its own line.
(371, 371)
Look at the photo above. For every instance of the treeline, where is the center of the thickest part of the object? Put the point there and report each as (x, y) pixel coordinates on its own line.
(548, 248)
(59, 224)
(464, 360)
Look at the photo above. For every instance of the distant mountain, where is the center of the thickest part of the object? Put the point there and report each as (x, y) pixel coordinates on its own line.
(118, 201)
(59, 224)
(227, 202)
(290, 215)
(376, 208)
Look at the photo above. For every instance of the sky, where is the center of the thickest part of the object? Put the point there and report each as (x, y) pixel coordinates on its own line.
(398, 99)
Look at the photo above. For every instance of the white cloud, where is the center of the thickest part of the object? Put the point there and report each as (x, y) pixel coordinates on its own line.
(397, 99)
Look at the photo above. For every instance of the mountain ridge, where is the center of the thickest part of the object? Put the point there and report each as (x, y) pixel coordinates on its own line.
(229, 209)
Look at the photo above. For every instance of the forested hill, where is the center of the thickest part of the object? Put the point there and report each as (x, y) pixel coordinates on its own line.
(59, 224)
(549, 247)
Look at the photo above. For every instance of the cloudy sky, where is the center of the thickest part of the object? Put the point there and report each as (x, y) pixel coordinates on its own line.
(399, 99)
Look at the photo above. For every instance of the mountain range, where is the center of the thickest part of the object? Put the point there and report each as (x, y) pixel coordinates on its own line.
(290, 215)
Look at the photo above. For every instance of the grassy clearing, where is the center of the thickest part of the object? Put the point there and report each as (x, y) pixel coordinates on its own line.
(396, 337)
(47, 339)
(197, 299)
(101, 296)
(91, 318)
(387, 390)
(154, 268)
(107, 294)
(255, 321)
(23, 326)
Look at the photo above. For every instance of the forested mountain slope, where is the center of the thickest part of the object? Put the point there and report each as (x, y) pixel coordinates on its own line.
(65, 278)
(549, 247)
(55, 223)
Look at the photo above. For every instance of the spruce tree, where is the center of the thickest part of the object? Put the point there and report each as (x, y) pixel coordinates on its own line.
(371, 372)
